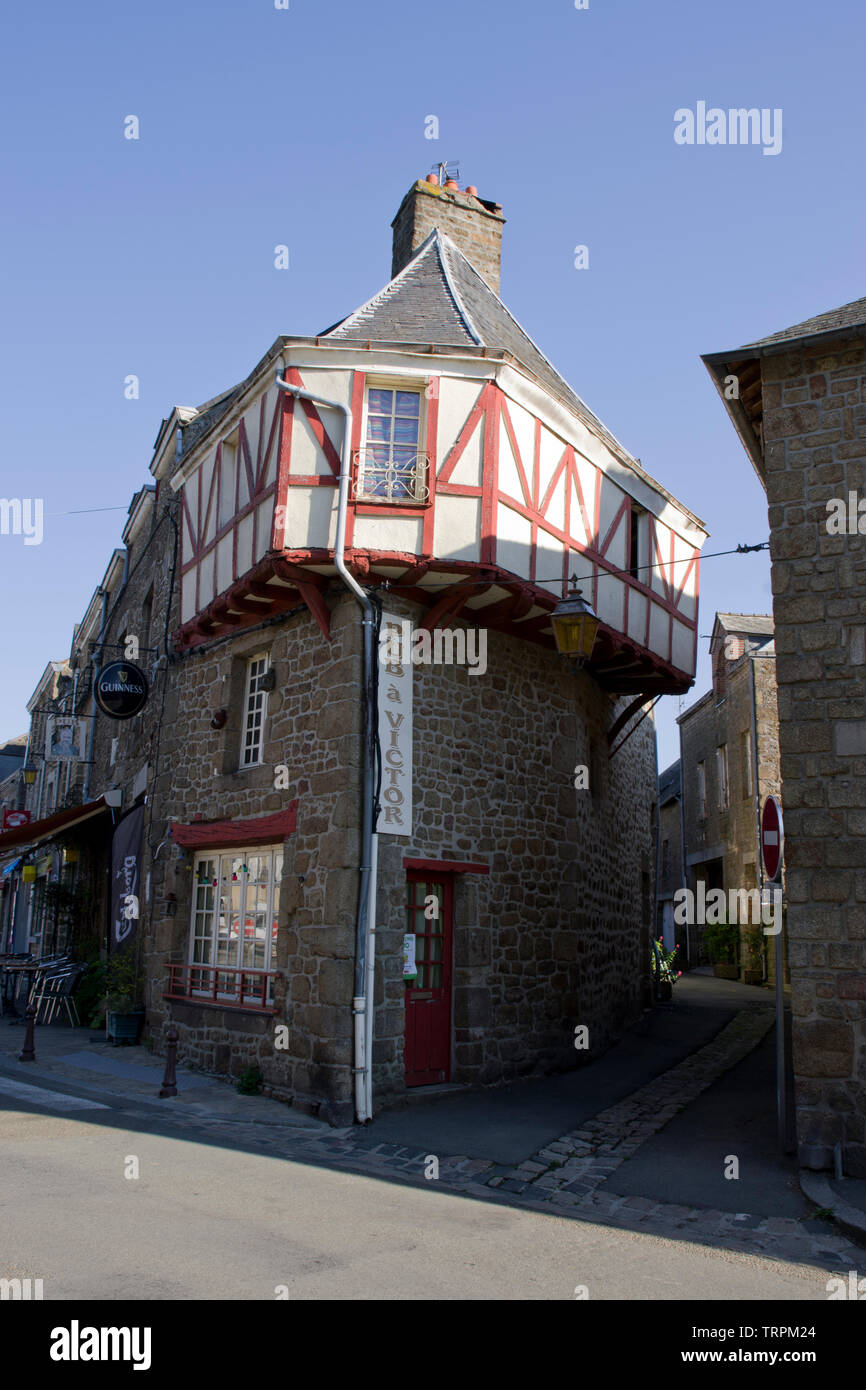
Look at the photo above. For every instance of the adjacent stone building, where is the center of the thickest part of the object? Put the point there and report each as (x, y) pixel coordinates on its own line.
(670, 870)
(730, 759)
(798, 402)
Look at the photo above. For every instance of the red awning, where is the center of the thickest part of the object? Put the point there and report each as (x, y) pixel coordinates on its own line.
(50, 826)
(223, 834)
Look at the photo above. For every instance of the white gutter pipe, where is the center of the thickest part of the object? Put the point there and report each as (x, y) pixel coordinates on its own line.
(365, 927)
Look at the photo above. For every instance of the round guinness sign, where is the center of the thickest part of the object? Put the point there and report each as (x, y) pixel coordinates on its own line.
(120, 690)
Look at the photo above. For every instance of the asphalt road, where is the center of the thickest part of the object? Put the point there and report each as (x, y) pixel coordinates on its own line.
(203, 1221)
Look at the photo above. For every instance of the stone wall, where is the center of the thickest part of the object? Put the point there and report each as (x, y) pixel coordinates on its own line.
(313, 728)
(815, 449)
(558, 933)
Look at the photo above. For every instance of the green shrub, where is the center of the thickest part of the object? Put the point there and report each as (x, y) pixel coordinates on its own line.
(250, 1081)
(721, 940)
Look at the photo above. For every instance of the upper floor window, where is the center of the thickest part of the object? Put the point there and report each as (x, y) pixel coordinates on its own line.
(748, 788)
(722, 769)
(255, 708)
(392, 465)
(636, 553)
(702, 791)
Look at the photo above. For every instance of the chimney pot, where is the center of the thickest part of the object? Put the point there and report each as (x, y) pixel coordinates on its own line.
(470, 188)
(433, 178)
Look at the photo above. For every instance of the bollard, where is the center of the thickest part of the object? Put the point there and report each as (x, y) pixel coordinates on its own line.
(169, 1081)
(28, 1052)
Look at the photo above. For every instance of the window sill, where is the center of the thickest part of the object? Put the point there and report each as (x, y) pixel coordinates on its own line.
(207, 1001)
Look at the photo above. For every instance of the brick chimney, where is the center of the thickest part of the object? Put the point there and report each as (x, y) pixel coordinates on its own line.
(472, 222)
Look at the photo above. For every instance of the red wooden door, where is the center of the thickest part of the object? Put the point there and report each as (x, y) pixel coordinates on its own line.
(428, 998)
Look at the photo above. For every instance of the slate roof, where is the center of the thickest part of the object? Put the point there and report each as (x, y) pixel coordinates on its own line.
(439, 298)
(851, 315)
(760, 623)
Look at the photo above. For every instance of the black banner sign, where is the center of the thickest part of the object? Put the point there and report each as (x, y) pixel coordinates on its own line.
(125, 875)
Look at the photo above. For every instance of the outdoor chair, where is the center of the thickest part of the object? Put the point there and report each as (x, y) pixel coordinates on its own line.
(56, 991)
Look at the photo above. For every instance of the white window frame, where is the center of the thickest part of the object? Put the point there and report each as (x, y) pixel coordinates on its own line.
(255, 704)
(421, 491)
(206, 947)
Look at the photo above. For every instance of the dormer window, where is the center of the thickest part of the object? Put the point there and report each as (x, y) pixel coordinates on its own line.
(392, 466)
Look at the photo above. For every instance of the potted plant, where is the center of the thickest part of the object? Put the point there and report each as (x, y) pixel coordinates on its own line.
(753, 973)
(721, 940)
(124, 1006)
(662, 965)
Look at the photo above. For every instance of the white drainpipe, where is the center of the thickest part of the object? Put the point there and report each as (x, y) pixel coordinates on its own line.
(363, 1000)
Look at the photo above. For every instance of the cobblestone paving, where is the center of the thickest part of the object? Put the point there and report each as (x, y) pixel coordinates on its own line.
(567, 1176)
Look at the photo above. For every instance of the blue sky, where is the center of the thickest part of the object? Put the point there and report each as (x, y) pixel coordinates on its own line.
(306, 126)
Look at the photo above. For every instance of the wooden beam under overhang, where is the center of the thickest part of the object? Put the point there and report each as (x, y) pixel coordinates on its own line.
(309, 586)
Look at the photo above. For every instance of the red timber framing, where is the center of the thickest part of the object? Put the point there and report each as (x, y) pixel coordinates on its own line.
(283, 580)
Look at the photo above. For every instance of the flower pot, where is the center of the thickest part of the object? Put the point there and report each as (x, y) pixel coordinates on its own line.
(723, 971)
(753, 977)
(125, 1028)
(665, 989)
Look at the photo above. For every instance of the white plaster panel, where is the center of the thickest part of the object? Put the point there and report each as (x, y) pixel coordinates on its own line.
(611, 499)
(206, 590)
(311, 517)
(308, 458)
(610, 603)
(245, 544)
(509, 478)
(637, 616)
(577, 529)
(456, 401)
(659, 638)
(225, 573)
(550, 453)
(683, 648)
(264, 527)
(388, 532)
(457, 528)
(548, 564)
(513, 541)
(187, 596)
(524, 434)
(555, 512)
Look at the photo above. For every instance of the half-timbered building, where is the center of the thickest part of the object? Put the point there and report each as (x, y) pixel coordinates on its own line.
(419, 463)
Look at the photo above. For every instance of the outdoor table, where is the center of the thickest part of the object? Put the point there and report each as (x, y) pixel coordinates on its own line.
(17, 970)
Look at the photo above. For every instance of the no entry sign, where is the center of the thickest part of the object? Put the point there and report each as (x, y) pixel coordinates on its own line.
(772, 837)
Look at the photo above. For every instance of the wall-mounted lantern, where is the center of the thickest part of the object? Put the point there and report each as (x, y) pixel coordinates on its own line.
(574, 625)
(29, 774)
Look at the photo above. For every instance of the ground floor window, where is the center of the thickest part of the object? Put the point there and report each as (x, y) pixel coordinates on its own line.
(236, 898)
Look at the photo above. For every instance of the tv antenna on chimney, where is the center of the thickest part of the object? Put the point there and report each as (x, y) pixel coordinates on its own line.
(447, 169)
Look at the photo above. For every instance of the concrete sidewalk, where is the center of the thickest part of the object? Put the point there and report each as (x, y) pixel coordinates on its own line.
(89, 1066)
